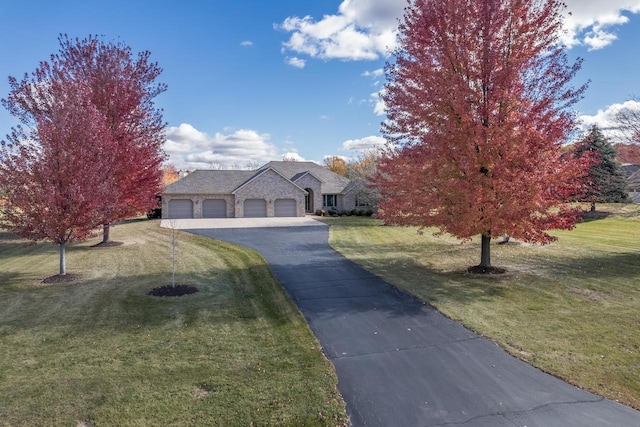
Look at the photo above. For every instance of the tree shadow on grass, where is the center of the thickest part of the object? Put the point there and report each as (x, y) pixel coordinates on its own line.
(615, 265)
(351, 221)
(588, 216)
(122, 303)
(10, 279)
(5, 235)
(131, 221)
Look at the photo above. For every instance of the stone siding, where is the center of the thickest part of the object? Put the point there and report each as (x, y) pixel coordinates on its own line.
(311, 182)
(269, 186)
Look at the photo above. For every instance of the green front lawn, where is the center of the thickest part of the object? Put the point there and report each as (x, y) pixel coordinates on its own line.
(99, 351)
(571, 308)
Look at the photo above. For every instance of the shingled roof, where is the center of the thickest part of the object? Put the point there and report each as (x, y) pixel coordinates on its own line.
(226, 181)
(210, 182)
(629, 169)
(332, 183)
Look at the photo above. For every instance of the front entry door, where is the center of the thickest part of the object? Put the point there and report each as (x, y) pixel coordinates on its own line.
(308, 201)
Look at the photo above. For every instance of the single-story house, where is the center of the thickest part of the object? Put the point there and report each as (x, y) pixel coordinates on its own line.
(632, 173)
(277, 189)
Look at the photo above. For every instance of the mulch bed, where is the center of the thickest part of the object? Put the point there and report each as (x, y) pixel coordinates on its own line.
(477, 269)
(172, 291)
(62, 278)
(106, 244)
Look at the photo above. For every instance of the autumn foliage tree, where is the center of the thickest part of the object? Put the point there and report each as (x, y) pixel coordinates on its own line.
(53, 189)
(122, 88)
(169, 175)
(477, 113)
(336, 165)
(628, 153)
(363, 169)
(363, 166)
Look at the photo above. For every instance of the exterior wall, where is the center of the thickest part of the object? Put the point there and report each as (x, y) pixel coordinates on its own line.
(197, 202)
(269, 186)
(347, 201)
(309, 181)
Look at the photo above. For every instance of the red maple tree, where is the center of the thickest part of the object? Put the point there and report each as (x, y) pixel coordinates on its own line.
(52, 188)
(476, 103)
(122, 89)
(628, 153)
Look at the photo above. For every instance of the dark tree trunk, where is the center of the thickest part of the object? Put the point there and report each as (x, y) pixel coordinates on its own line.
(485, 254)
(593, 206)
(105, 232)
(63, 264)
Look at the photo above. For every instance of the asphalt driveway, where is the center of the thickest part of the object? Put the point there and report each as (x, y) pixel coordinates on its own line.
(400, 362)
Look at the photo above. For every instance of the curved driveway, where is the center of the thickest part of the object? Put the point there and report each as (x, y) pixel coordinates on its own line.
(400, 362)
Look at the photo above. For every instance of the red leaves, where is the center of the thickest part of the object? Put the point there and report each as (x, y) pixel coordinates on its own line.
(54, 188)
(475, 101)
(95, 147)
(122, 89)
(628, 153)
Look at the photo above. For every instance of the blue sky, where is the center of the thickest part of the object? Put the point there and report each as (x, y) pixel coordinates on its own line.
(257, 80)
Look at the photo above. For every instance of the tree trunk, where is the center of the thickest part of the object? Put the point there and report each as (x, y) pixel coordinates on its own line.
(105, 232)
(63, 261)
(593, 206)
(173, 254)
(485, 254)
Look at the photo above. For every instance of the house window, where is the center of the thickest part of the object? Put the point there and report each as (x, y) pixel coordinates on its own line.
(329, 200)
(362, 201)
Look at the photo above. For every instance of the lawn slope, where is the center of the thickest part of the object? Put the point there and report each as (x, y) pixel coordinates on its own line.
(571, 308)
(100, 351)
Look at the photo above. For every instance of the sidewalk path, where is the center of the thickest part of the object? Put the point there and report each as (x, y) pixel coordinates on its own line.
(401, 363)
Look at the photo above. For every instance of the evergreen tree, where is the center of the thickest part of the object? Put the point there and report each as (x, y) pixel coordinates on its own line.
(608, 184)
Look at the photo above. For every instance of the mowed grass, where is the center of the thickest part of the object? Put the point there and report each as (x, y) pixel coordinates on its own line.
(571, 308)
(99, 351)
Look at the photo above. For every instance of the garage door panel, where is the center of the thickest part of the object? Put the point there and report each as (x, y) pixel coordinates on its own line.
(214, 208)
(285, 207)
(255, 208)
(180, 208)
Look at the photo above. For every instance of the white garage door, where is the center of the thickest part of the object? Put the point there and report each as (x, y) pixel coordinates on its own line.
(180, 208)
(285, 207)
(214, 208)
(255, 208)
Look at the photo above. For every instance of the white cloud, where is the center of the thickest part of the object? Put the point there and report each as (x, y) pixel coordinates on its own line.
(189, 148)
(246, 43)
(375, 73)
(296, 62)
(364, 144)
(379, 107)
(293, 156)
(361, 30)
(605, 120)
(367, 29)
(593, 22)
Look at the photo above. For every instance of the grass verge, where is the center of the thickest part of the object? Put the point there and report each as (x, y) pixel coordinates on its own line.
(571, 308)
(100, 351)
